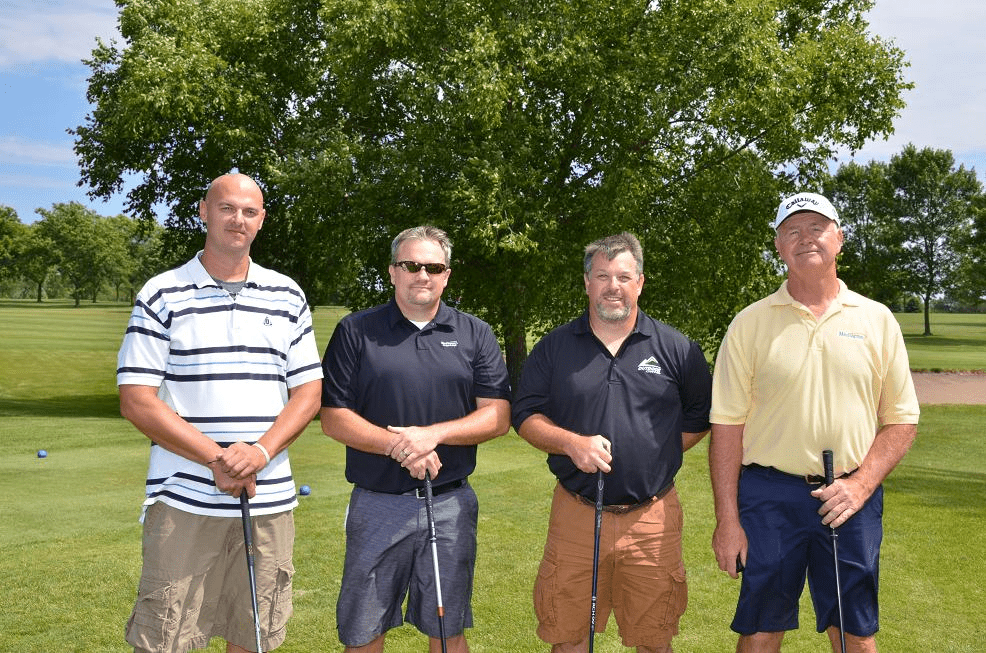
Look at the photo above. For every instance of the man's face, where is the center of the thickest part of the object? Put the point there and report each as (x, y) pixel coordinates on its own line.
(419, 290)
(233, 212)
(613, 287)
(808, 241)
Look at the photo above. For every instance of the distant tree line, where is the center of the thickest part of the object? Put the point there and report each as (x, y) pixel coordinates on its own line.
(74, 252)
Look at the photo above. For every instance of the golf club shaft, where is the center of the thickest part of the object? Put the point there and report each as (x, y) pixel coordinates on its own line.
(248, 545)
(433, 538)
(829, 480)
(595, 558)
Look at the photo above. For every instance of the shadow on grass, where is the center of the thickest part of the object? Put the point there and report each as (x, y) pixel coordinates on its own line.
(940, 487)
(942, 341)
(107, 405)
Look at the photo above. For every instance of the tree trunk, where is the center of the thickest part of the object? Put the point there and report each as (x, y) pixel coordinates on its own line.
(927, 315)
(515, 344)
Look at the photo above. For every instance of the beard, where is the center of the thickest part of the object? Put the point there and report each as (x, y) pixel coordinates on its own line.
(608, 314)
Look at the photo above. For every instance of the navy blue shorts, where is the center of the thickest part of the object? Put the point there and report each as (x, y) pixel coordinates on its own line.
(788, 543)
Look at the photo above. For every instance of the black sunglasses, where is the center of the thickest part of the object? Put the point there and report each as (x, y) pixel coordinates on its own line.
(430, 268)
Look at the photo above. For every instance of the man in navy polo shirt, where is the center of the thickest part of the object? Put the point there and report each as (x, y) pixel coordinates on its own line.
(614, 390)
(412, 387)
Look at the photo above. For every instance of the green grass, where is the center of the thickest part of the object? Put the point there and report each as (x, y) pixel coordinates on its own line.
(958, 341)
(70, 540)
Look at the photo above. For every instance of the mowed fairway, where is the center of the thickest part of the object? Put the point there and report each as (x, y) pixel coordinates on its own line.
(70, 541)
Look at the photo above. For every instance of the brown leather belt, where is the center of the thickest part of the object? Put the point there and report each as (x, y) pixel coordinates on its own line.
(622, 509)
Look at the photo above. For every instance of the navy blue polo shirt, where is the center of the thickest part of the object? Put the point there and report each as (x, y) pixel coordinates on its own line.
(642, 399)
(384, 368)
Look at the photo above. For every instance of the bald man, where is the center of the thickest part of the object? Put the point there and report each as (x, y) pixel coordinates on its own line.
(220, 370)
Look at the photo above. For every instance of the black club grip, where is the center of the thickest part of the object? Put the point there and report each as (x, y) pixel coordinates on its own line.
(827, 462)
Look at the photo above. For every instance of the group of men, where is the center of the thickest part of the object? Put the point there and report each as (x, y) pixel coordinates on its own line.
(219, 368)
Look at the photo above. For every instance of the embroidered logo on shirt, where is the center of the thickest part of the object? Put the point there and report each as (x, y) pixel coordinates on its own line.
(850, 334)
(267, 322)
(649, 365)
(450, 343)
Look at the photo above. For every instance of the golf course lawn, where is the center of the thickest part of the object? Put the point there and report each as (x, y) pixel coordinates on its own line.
(70, 539)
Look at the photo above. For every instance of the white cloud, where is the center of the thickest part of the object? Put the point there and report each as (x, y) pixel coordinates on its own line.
(943, 42)
(16, 150)
(61, 31)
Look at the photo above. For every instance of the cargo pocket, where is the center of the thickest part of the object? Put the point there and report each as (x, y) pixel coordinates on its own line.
(154, 621)
(282, 607)
(677, 596)
(545, 592)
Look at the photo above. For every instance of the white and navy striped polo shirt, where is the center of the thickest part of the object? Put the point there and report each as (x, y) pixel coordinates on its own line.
(224, 366)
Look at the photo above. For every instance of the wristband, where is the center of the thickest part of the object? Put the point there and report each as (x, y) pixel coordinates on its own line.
(263, 450)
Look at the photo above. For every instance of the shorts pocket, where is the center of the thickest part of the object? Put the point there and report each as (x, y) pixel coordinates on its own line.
(545, 592)
(282, 606)
(677, 598)
(154, 622)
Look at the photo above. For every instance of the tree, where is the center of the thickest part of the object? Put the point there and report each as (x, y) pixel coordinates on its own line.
(873, 245)
(85, 245)
(933, 203)
(970, 288)
(37, 260)
(524, 128)
(12, 238)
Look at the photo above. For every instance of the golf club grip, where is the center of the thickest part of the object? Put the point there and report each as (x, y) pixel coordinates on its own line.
(827, 463)
(247, 534)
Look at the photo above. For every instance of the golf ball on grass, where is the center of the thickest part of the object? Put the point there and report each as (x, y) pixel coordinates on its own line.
(42, 453)
(304, 490)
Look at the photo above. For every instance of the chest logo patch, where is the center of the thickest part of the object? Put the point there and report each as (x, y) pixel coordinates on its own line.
(649, 365)
(852, 335)
(450, 343)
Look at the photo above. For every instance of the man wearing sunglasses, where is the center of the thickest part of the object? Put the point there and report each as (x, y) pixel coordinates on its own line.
(413, 386)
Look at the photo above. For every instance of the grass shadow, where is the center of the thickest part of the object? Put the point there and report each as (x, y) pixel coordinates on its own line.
(940, 488)
(943, 341)
(100, 405)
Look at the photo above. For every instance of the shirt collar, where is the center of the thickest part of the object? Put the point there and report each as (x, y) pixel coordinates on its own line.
(783, 298)
(202, 279)
(643, 327)
(394, 315)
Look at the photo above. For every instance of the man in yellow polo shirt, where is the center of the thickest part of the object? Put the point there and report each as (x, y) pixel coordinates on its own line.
(813, 366)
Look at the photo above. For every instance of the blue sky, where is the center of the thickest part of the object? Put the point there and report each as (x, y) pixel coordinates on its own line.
(43, 84)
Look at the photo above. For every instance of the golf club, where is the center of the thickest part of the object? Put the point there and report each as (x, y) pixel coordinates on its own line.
(434, 559)
(248, 544)
(595, 558)
(829, 480)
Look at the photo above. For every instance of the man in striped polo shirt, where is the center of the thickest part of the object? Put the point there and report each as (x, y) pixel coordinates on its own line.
(219, 368)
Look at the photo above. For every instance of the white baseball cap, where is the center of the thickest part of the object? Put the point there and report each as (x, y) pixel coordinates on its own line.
(805, 202)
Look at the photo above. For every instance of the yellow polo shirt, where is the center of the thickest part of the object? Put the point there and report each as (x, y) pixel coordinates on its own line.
(801, 385)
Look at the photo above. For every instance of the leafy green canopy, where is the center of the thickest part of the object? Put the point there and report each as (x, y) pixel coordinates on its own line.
(525, 128)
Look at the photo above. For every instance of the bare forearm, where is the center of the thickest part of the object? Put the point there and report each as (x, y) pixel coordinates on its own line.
(889, 446)
(348, 427)
(544, 434)
(725, 462)
(491, 419)
(297, 414)
(155, 419)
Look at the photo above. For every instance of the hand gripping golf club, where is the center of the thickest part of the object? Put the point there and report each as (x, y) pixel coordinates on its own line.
(829, 480)
(248, 544)
(595, 558)
(434, 559)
